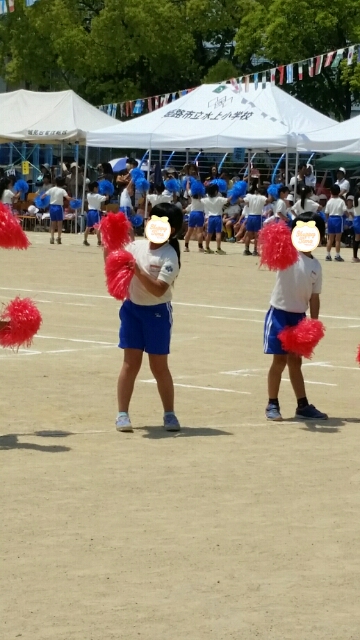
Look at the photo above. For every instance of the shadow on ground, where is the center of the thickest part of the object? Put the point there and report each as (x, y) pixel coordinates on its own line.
(10, 441)
(158, 432)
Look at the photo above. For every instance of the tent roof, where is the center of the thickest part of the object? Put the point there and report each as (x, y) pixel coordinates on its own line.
(48, 117)
(215, 116)
(336, 160)
(343, 137)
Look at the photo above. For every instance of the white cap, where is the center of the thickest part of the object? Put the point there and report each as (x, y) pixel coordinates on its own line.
(314, 198)
(290, 197)
(33, 210)
(343, 170)
(350, 198)
(73, 165)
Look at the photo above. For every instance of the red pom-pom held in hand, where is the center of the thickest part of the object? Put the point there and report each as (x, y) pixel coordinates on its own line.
(24, 320)
(277, 251)
(114, 229)
(358, 355)
(119, 270)
(303, 338)
(11, 233)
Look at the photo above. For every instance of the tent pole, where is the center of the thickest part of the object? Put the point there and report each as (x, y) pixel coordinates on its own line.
(249, 166)
(61, 157)
(160, 158)
(287, 167)
(77, 169)
(148, 178)
(296, 175)
(84, 188)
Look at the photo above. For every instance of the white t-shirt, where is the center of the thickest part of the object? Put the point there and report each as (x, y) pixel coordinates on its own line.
(56, 195)
(310, 181)
(214, 206)
(294, 286)
(310, 206)
(125, 200)
(335, 207)
(161, 264)
(343, 184)
(156, 198)
(7, 196)
(280, 208)
(357, 210)
(233, 210)
(245, 211)
(196, 205)
(94, 201)
(256, 203)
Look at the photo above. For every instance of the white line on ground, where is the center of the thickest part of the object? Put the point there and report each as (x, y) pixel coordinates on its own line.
(110, 344)
(193, 386)
(238, 319)
(325, 384)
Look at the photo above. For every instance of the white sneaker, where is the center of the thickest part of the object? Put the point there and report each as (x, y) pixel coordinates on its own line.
(123, 424)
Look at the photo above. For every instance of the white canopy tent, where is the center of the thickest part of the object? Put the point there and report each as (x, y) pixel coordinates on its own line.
(217, 117)
(343, 137)
(47, 118)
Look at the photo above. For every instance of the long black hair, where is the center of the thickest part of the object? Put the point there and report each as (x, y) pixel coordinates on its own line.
(306, 217)
(304, 193)
(175, 217)
(4, 184)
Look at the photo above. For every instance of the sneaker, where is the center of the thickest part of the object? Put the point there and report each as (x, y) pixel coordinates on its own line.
(123, 424)
(247, 252)
(231, 240)
(99, 244)
(220, 252)
(255, 253)
(86, 243)
(171, 423)
(186, 250)
(338, 259)
(310, 413)
(208, 251)
(328, 258)
(355, 260)
(52, 241)
(272, 412)
(201, 250)
(58, 240)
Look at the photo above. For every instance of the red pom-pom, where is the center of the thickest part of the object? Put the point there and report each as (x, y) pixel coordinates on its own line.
(303, 338)
(24, 320)
(11, 233)
(119, 270)
(358, 355)
(114, 229)
(277, 251)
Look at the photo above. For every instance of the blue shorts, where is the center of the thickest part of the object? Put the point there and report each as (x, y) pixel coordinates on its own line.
(196, 219)
(56, 213)
(146, 328)
(276, 320)
(356, 224)
(93, 217)
(254, 223)
(335, 224)
(126, 210)
(215, 224)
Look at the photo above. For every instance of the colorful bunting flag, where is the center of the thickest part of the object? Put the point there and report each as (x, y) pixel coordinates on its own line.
(318, 64)
(311, 67)
(29, 3)
(289, 74)
(263, 80)
(150, 105)
(350, 55)
(256, 80)
(329, 58)
(338, 58)
(281, 72)
(300, 71)
(272, 76)
(247, 83)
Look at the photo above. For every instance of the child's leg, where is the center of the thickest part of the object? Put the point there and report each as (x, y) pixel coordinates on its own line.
(356, 246)
(208, 238)
(229, 228)
(86, 234)
(296, 376)
(53, 226)
(274, 376)
(59, 228)
(256, 235)
(330, 242)
(218, 240)
(98, 235)
(200, 236)
(129, 370)
(337, 243)
(160, 370)
(188, 237)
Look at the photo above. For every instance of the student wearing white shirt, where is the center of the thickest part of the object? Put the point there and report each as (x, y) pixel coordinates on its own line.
(310, 179)
(196, 222)
(6, 195)
(213, 207)
(146, 319)
(296, 288)
(305, 204)
(125, 200)
(57, 196)
(158, 197)
(342, 182)
(279, 207)
(256, 203)
(356, 226)
(95, 200)
(334, 211)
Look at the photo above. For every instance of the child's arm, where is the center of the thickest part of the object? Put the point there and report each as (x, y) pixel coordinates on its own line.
(155, 287)
(315, 306)
(4, 324)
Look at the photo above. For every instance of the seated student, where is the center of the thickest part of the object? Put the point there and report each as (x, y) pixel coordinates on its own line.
(158, 197)
(240, 227)
(230, 218)
(95, 200)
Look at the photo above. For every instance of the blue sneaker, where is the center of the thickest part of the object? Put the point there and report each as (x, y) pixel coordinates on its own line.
(310, 413)
(272, 412)
(123, 423)
(171, 423)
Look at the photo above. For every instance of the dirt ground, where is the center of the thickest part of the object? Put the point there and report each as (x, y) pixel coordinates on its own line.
(234, 529)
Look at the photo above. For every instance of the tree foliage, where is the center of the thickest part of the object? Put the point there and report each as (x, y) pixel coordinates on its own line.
(114, 50)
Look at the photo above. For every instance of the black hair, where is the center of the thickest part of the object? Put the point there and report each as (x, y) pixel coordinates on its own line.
(60, 182)
(304, 193)
(175, 217)
(47, 176)
(212, 190)
(306, 217)
(261, 191)
(134, 163)
(335, 190)
(4, 184)
(357, 197)
(107, 168)
(92, 186)
(159, 187)
(303, 165)
(283, 189)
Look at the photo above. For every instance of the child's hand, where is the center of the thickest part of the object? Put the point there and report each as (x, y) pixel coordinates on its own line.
(4, 324)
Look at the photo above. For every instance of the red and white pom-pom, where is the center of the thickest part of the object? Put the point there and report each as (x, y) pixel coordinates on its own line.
(11, 233)
(303, 338)
(24, 320)
(277, 251)
(114, 229)
(358, 355)
(119, 270)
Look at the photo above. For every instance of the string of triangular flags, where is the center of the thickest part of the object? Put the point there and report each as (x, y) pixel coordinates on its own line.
(8, 6)
(283, 74)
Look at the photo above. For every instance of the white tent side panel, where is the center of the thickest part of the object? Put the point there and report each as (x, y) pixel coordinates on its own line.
(344, 137)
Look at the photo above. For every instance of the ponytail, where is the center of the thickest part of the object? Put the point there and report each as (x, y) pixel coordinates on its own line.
(305, 191)
(174, 243)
